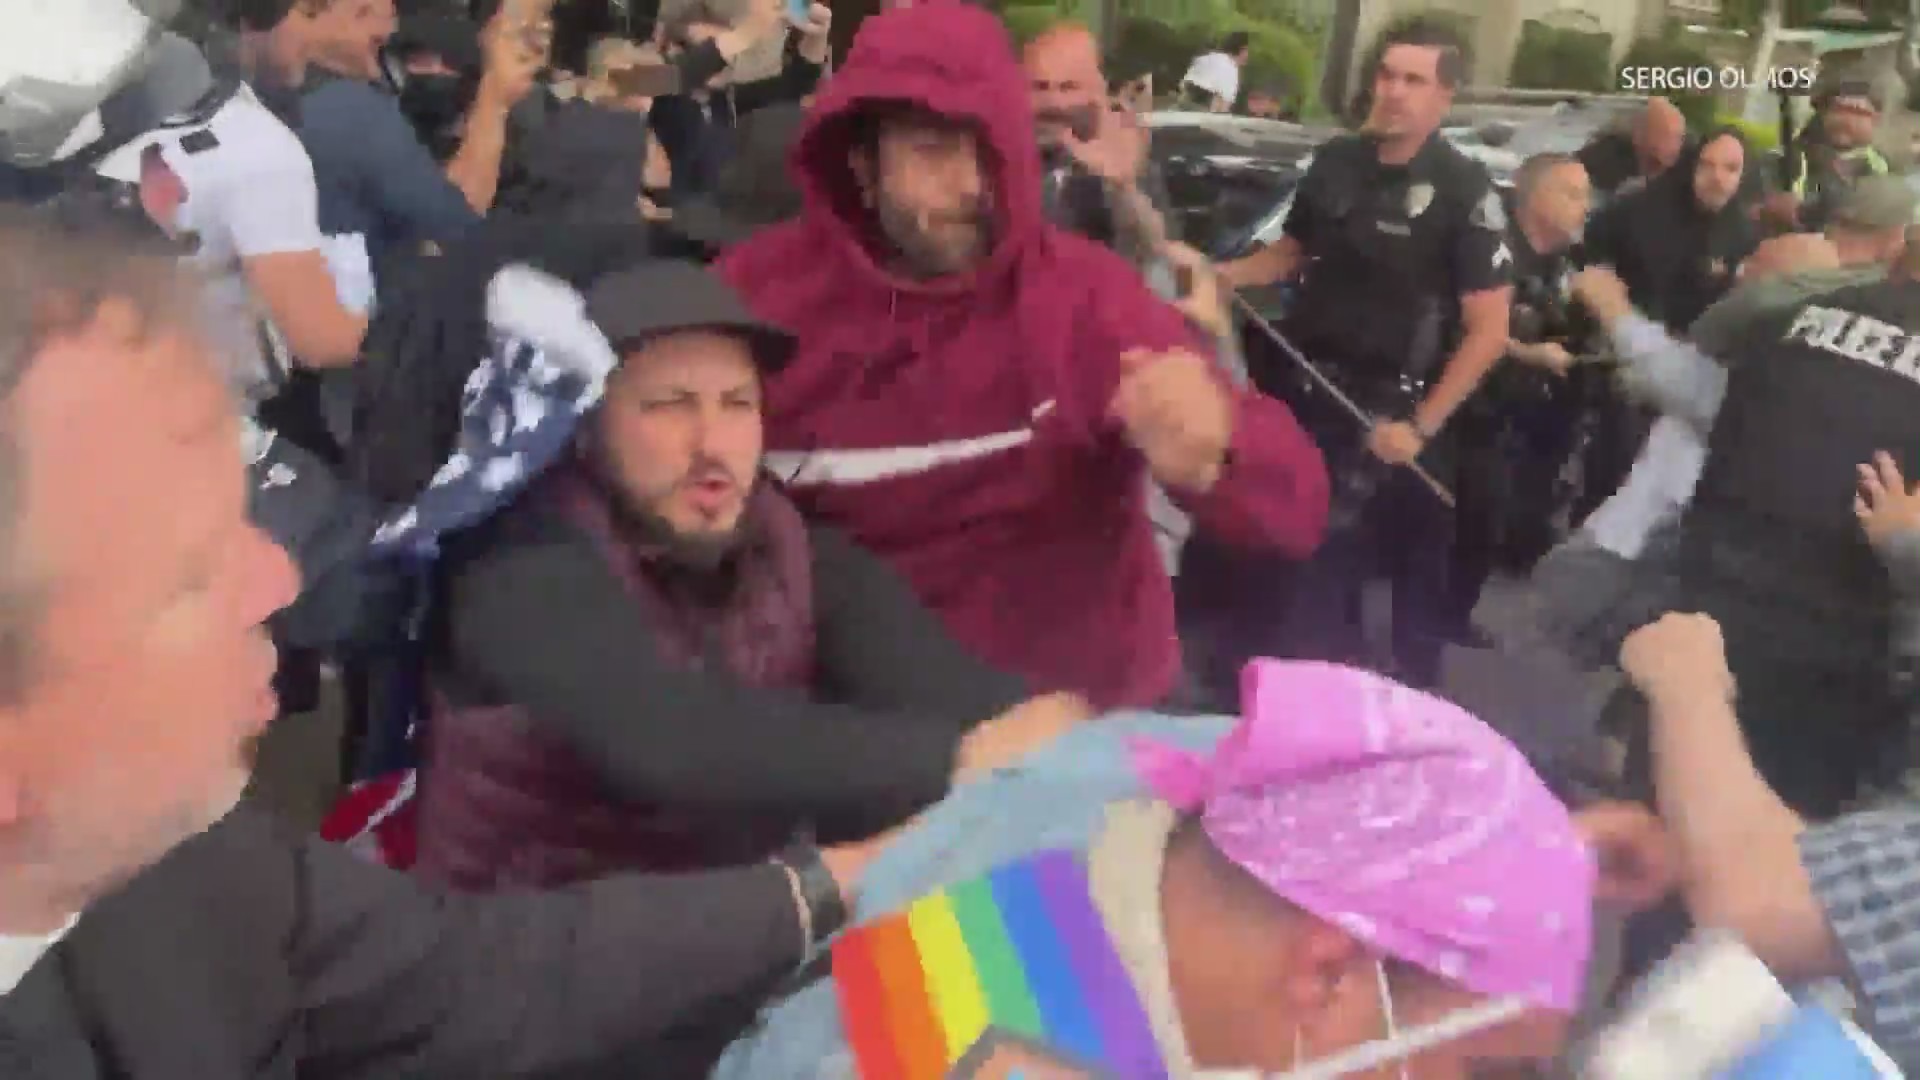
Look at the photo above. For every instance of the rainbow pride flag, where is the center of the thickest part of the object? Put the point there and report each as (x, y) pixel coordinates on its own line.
(1022, 948)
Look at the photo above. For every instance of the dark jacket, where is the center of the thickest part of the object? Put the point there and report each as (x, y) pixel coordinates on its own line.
(610, 709)
(506, 803)
(249, 954)
(697, 136)
(1675, 257)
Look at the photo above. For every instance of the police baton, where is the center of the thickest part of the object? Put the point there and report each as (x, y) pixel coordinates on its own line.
(1313, 372)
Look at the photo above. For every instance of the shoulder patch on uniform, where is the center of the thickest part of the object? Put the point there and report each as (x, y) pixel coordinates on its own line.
(1490, 214)
(1630, 185)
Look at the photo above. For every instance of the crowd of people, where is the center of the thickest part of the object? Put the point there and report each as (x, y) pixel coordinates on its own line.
(825, 583)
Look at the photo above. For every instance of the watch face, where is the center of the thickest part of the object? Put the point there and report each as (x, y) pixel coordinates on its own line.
(1003, 1055)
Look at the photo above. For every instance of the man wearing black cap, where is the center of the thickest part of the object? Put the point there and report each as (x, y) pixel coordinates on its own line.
(700, 675)
(1829, 157)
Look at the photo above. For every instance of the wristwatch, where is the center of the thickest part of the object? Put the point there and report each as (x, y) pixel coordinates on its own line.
(823, 910)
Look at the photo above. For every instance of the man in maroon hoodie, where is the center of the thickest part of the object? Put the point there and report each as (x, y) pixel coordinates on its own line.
(978, 396)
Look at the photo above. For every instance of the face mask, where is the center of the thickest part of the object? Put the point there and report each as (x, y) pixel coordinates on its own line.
(1397, 1046)
(434, 104)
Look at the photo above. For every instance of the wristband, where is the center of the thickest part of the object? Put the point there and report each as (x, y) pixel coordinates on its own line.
(823, 911)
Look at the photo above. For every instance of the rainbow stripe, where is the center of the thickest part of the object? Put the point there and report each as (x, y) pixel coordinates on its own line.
(1023, 948)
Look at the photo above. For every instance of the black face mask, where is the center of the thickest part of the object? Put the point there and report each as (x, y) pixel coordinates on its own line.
(434, 105)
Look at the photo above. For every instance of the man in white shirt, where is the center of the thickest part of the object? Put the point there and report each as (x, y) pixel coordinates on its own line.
(240, 183)
(1212, 81)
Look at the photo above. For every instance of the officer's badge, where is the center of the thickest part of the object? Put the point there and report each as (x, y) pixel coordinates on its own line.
(1502, 256)
(1490, 214)
(1716, 268)
(1419, 197)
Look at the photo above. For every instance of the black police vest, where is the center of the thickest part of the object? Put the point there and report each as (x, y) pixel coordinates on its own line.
(1378, 298)
(1820, 392)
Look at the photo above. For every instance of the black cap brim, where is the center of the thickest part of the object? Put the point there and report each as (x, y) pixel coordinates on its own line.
(663, 296)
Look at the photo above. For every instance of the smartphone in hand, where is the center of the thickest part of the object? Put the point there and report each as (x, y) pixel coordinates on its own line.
(800, 13)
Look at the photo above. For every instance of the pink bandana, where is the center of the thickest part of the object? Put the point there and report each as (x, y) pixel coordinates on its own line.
(1401, 819)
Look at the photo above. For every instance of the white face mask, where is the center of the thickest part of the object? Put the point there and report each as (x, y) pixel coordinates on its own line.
(1396, 1045)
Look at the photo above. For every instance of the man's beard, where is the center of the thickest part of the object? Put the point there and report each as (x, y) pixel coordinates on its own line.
(923, 254)
(639, 523)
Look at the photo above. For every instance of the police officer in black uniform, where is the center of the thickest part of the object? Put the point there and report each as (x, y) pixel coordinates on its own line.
(1518, 431)
(1399, 241)
(1771, 548)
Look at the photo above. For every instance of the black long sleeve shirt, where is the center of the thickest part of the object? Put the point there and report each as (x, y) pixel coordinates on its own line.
(542, 622)
(251, 954)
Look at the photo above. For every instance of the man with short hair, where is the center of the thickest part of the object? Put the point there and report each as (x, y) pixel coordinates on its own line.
(1212, 81)
(1101, 182)
(980, 397)
(1619, 162)
(380, 187)
(1523, 423)
(1399, 244)
(148, 926)
(700, 669)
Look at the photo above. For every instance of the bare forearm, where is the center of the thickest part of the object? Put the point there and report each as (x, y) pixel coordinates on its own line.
(475, 168)
(1137, 219)
(1277, 262)
(1738, 840)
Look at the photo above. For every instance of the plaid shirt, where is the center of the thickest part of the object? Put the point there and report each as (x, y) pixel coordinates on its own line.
(1865, 869)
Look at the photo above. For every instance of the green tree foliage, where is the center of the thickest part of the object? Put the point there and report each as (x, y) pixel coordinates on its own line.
(1551, 58)
(1281, 58)
(1024, 22)
(1745, 14)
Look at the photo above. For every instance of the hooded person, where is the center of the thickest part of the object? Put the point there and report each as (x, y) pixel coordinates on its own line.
(978, 396)
(1356, 875)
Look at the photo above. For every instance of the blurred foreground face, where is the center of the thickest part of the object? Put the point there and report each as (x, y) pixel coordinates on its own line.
(1716, 177)
(1408, 97)
(681, 435)
(149, 672)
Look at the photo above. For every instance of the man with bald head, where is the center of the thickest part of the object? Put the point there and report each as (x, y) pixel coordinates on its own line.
(1620, 161)
(1100, 182)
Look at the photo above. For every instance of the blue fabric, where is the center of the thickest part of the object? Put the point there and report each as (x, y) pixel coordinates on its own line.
(518, 414)
(1811, 1044)
(1054, 799)
(374, 177)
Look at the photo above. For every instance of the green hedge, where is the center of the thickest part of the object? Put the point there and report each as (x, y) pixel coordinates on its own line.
(1764, 138)
(1551, 58)
(1280, 57)
(1025, 22)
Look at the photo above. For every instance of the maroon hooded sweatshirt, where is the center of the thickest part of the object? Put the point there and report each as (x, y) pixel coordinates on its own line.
(961, 428)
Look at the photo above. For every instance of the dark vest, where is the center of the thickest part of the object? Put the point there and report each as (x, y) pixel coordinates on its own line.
(1772, 518)
(504, 804)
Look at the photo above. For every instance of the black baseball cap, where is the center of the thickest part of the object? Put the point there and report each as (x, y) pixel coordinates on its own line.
(660, 296)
